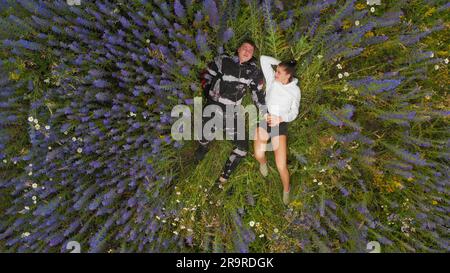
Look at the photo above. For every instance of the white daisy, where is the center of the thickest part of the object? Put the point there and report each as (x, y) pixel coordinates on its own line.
(34, 186)
(261, 236)
(47, 127)
(357, 23)
(339, 66)
(79, 150)
(30, 119)
(37, 126)
(320, 183)
(74, 139)
(340, 76)
(346, 74)
(446, 61)
(252, 223)
(436, 67)
(275, 230)
(34, 198)
(372, 9)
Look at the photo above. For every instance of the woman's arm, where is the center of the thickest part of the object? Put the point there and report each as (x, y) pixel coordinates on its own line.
(293, 110)
(266, 67)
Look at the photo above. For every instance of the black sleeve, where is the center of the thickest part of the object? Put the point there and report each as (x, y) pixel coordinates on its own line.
(211, 71)
(258, 93)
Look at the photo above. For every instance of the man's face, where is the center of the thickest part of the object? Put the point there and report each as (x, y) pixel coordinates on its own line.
(245, 52)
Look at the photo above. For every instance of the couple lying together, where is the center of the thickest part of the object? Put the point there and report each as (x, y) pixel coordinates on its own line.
(225, 82)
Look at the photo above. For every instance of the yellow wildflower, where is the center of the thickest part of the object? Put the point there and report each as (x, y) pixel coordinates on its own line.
(369, 34)
(296, 204)
(430, 11)
(346, 24)
(14, 76)
(360, 6)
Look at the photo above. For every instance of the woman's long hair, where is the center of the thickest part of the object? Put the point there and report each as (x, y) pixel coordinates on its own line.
(289, 67)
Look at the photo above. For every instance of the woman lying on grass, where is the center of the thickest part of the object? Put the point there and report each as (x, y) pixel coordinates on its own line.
(283, 102)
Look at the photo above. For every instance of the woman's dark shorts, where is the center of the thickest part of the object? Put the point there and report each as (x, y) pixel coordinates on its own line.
(279, 130)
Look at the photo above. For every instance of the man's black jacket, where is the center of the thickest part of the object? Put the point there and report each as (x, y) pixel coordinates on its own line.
(226, 81)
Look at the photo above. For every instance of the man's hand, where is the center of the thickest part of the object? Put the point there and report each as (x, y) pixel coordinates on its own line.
(273, 120)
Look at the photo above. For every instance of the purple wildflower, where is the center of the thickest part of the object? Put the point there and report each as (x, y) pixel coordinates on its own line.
(179, 9)
(210, 8)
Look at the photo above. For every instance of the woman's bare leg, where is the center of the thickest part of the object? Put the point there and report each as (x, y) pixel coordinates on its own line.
(281, 160)
(261, 137)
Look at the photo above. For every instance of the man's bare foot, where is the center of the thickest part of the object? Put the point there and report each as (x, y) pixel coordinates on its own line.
(221, 182)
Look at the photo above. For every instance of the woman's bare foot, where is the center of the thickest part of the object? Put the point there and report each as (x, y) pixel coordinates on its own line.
(286, 198)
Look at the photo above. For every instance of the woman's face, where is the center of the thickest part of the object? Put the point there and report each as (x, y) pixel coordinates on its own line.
(245, 52)
(281, 75)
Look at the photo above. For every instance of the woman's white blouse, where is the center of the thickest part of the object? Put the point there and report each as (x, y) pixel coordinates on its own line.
(282, 100)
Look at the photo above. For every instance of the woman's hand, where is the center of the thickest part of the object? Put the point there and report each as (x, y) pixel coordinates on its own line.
(273, 120)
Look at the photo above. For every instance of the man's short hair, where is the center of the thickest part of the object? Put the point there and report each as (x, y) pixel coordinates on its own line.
(250, 42)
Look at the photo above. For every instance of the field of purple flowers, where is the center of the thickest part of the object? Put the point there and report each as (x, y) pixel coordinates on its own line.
(86, 155)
